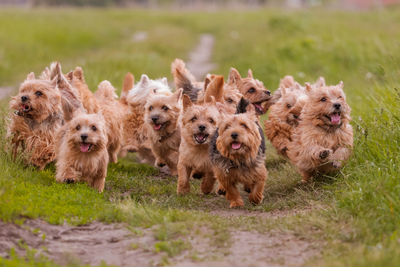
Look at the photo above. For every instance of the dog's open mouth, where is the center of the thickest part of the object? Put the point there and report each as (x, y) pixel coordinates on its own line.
(258, 106)
(85, 147)
(334, 118)
(236, 145)
(25, 108)
(200, 138)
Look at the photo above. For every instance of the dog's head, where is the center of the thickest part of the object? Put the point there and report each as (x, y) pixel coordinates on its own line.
(86, 133)
(239, 135)
(327, 106)
(162, 112)
(145, 87)
(198, 121)
(252, 89)
(37, 99)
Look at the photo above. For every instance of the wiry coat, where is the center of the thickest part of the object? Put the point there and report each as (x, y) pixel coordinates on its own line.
(323, 141)
(237, 153)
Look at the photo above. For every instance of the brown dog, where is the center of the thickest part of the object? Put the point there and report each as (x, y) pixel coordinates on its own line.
(323, 141)
(237, 154)
(162, 117)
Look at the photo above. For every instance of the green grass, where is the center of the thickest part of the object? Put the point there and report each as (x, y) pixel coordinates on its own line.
(355, 214)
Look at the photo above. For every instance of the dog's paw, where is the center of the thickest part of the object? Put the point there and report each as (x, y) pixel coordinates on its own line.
(236, 204)
(324, 153)
(336, 164)
(69, 180)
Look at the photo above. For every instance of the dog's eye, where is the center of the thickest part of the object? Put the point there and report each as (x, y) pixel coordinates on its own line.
(165, 108)
(229, 100)
(211, 120)
(288, 106)
(78, 127)
(38, 93)
(193, 119)
(151, 108)
(340, 97)
(94, 128)
(251, 90)
(244, 126)
(323, 99)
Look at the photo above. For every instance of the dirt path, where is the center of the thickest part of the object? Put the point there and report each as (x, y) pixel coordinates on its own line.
(200, 58)
(5, 92)
(115, 245)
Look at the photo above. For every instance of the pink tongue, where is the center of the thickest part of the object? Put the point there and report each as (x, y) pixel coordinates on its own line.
(335, 119)
(200, 137)
(157, 126)
(236, 145)
(85, 147)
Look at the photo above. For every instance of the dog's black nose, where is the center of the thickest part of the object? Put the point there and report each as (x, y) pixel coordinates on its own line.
(337, 105)
(202, 128)
(24, 98)
(267, 92)
(234, 135)
(84, 137)
(154, 118)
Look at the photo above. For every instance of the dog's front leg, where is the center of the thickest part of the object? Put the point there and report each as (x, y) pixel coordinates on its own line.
(340, 156)
(183, 178)
(208, 182)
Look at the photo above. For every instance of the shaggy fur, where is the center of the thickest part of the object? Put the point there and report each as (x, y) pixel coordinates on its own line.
(228, 93)
(82, 151)
(37, 114)
(252, 90)
(198, 123)
(161, 117)
(284, 115)
(135, 137)
(323, 141)
(112, 112)
(237, 154)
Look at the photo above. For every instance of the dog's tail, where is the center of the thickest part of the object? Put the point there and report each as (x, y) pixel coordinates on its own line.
(105, 91)
(184, 79)
(127, 85)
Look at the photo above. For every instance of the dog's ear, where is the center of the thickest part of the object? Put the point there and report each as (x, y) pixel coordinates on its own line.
(283, 91)
(127, 85)
(31, 76)
(287, 82)
(215, 89)
(207, 81)
(55, 70)
(320, 82)
(242, 106)
(178, 94)
(186, 102)
(340, 85)
(297, 86)
(78, 74)
(234, 76)
(308, 87)
(69, 76)
(164, 81)
(249, 73)
(144, 79)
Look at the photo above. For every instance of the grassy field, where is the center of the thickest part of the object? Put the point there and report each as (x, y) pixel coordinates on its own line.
(355, 215)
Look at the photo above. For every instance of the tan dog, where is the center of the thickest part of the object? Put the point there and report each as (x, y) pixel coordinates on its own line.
(284, 115)
(252, 90)
(229, 93)
(237, 153)
(38, 113)
(323, 141)
(82, 151)
(162, 117)
(198, 123)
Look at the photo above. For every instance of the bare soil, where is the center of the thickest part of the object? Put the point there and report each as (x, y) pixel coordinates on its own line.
(200, 58)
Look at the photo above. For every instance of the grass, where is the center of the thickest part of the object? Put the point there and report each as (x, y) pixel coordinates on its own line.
(355, 213)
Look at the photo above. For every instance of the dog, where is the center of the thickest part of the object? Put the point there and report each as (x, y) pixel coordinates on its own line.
(229, 93)
(237, 153)
(161, 117)
(198, 123)
(284, 115)
(81, 150)
(252, 90)
(135, 137)
(323, 140)
(38, 113)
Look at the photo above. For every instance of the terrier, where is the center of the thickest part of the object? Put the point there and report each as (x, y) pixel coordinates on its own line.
(237, 153)
(323, 141)
(198, 123)
(81, 151)
(162, 116)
